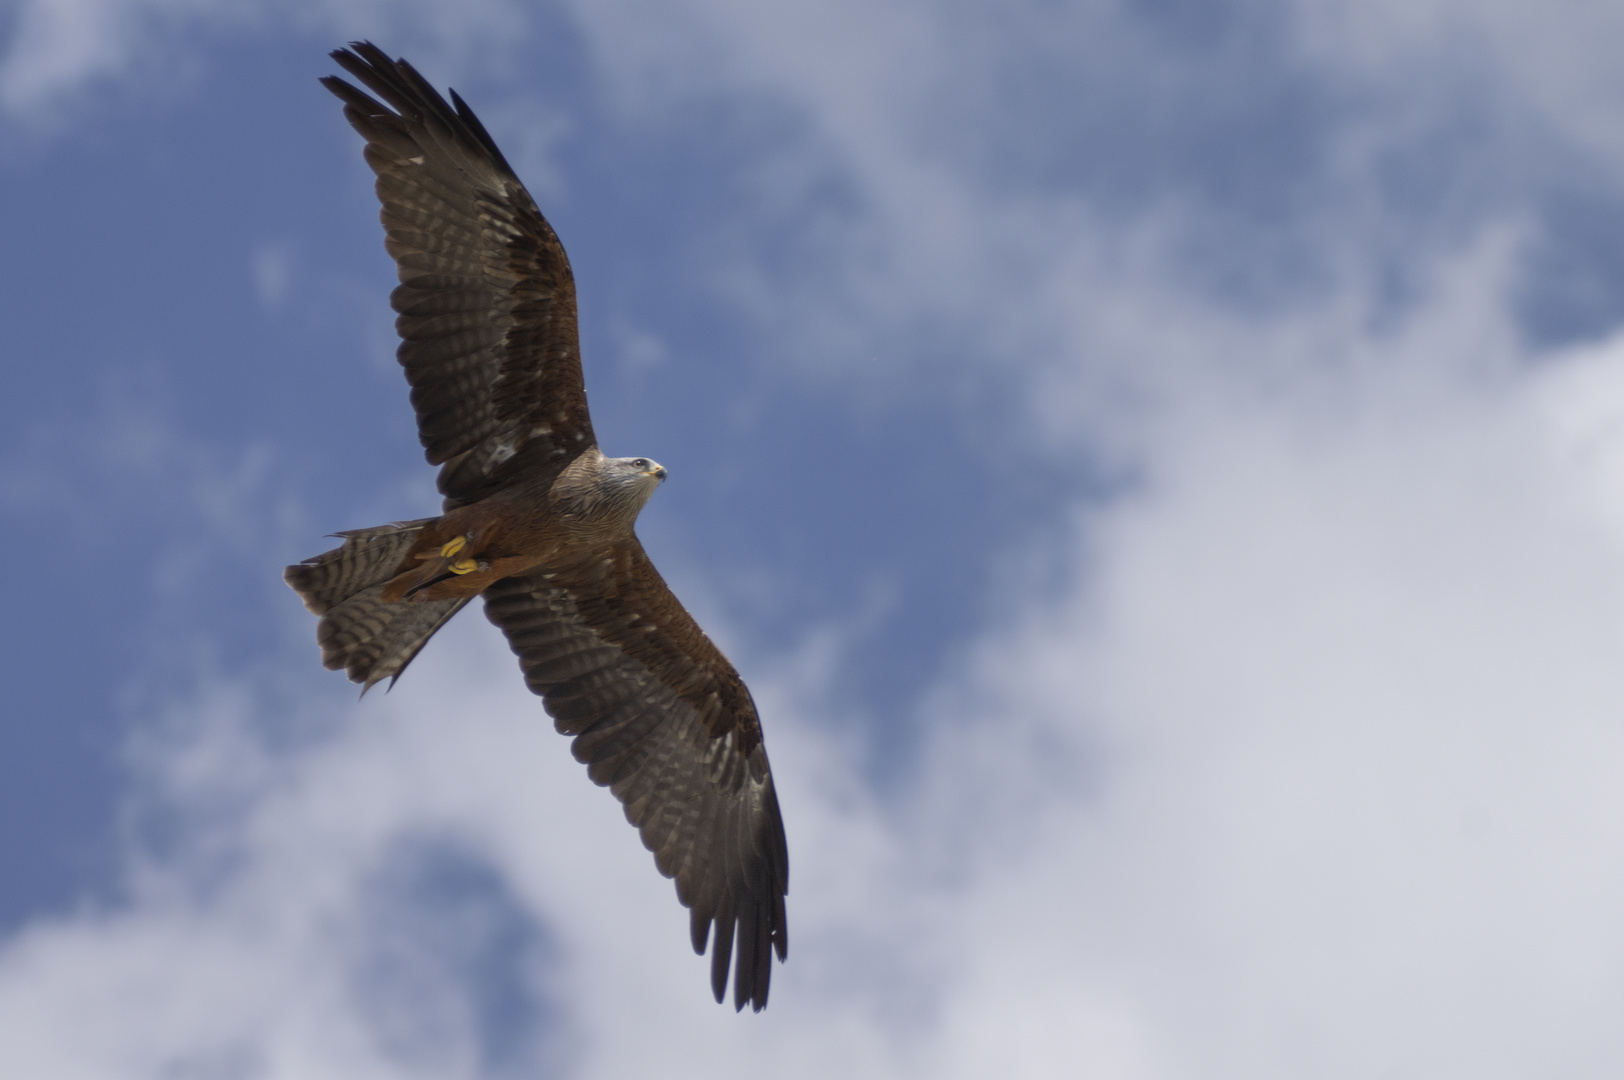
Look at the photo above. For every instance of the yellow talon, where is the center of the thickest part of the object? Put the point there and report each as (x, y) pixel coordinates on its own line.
(452, 547)
(464, 566)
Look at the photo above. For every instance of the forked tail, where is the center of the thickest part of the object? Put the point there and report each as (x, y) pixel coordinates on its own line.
(369, 638)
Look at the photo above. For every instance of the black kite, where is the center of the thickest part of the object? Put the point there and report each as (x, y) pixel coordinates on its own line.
(538, 522)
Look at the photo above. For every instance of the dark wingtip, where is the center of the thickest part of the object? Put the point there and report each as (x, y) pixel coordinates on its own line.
(483, 137)
(360, 51)
(358, 58)
(400, 85)
(718, 981)
(698, 931)
(721, 954)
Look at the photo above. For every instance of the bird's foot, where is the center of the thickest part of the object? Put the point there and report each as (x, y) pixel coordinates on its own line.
(460, 566)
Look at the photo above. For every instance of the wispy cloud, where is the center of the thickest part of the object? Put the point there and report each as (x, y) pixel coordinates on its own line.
(57, 50)
(273, 272)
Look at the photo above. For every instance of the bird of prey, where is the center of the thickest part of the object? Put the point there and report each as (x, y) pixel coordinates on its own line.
(539, 522)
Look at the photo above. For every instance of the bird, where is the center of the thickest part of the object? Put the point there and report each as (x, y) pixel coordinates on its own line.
(537, 521)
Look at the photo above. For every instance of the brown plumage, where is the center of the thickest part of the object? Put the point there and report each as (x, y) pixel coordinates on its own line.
(538, 522)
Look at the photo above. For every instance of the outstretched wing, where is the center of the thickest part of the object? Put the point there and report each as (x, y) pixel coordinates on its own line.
(663, 720)
(486, 297)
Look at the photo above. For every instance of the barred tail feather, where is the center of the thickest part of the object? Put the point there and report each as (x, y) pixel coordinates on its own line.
(369, 638)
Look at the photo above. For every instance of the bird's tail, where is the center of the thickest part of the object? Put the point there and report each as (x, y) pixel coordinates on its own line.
(370, 638)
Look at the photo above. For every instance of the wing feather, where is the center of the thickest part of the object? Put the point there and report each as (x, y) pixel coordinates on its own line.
(486, 303)
(662, 719)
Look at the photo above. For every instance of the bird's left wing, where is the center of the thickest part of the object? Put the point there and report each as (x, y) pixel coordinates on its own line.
(663, 720)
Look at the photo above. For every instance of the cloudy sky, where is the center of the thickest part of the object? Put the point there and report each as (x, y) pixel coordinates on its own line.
(1159, 464)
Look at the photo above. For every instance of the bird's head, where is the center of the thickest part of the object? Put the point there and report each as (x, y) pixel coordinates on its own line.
(633, 478)
(641, 470)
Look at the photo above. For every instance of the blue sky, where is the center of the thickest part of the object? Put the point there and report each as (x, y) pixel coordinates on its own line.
(1159, 465)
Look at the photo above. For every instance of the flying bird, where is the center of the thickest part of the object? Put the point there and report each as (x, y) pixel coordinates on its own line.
(538, 522)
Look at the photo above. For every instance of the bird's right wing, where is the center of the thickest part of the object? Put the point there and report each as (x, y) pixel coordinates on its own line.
(486, 301)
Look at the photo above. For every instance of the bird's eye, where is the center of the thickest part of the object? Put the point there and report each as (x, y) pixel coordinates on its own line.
(641, 463)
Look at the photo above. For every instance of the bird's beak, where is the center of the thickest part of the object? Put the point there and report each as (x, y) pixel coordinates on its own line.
(658, 473)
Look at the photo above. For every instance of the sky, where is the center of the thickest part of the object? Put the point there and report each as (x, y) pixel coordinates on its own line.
(1158, 465)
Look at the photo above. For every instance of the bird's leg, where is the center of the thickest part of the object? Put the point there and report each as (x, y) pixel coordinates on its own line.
(461, 566)
(436, 565)
(447, 551)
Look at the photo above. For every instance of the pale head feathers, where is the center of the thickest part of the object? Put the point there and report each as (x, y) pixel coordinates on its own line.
(595, 488)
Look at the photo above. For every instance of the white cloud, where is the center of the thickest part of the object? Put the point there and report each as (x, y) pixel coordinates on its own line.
(1555, 58)
(1355, 684)
(60, 49)
(272, 266)
(61, 44)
